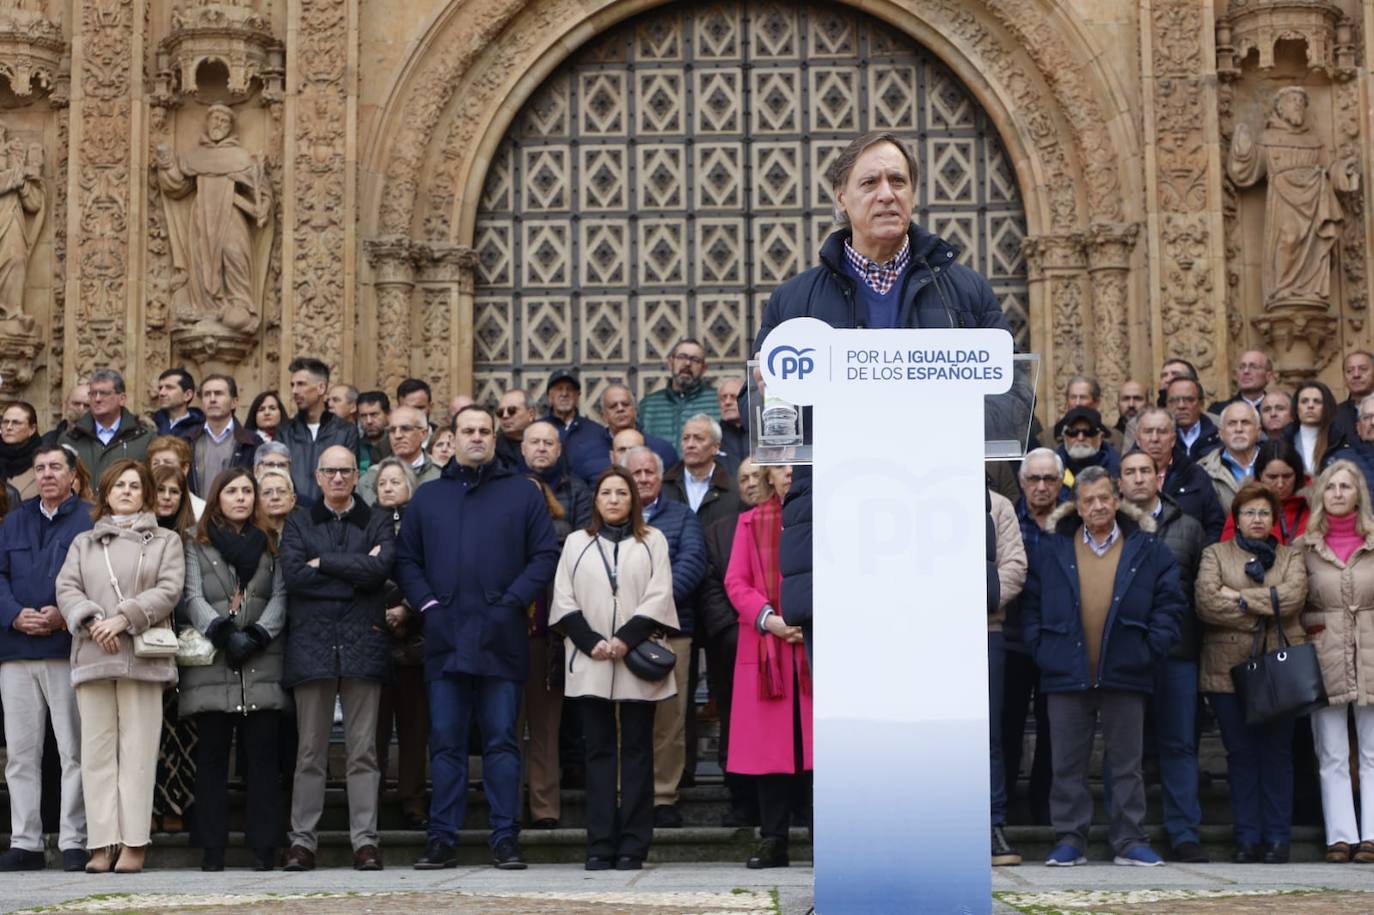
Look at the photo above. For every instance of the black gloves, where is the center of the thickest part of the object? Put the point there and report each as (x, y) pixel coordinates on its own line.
(218, 632)
(242, 644)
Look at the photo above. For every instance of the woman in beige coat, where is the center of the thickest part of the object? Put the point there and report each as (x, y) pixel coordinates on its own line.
(1339, 548)
(613, 590)
(120, 579)
(1234, 603)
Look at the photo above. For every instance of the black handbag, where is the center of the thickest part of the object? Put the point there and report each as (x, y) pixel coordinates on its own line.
(1285, 683)
(651, 661)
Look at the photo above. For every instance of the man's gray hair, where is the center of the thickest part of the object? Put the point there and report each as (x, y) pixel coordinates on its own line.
(1238, 404)
(638, 450)
(1090, 382)
(704, 418)
(1039, 453)
(110, 375)
(1156, 411)
(1368, 398)
(267, 449)
(1094, 475)
(843, 164)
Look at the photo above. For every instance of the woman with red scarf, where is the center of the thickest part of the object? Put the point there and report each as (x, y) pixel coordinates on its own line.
(770, 713)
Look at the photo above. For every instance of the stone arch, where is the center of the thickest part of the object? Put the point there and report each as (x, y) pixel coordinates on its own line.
(1060, 113)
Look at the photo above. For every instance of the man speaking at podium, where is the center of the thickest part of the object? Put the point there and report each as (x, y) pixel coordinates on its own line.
(877, 270)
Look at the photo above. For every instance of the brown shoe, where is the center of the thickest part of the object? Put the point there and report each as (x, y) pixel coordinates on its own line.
(1338, 853)
(102, 859)
(367, 858)
(299, 858)
(131, 859)
(1364, 854)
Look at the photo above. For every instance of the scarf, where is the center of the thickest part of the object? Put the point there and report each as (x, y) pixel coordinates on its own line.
(767, 533)
(240, 549)
(616, 532)
(1264, 551)
(17, 458)
(1342, 537)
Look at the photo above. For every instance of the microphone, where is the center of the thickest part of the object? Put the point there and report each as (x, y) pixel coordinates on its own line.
(935, 280)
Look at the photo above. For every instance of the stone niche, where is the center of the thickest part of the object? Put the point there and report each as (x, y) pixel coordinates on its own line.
(1293, 191)
(215, 159)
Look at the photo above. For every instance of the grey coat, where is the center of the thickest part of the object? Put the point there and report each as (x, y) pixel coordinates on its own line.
(210, 584)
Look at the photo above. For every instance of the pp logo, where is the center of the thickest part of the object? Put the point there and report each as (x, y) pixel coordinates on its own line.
(789, 362)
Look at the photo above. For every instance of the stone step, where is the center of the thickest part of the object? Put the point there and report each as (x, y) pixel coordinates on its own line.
(1036, 842)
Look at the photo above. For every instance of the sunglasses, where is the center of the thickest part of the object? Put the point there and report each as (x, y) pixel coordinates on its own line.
(1079, 432)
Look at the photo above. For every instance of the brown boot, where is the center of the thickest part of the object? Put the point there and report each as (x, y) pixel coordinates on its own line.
(102, 859)
(131, 859)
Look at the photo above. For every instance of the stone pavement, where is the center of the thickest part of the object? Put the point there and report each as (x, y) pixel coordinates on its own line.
(679, 889)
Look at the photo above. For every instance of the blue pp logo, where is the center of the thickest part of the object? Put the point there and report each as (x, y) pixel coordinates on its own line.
(789, 362)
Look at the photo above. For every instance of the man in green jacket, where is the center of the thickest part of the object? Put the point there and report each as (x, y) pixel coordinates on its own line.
(663, 412)
(108, 431)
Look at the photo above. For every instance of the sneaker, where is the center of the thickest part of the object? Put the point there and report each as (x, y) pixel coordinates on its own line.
(18, 859)
(1191, 853)
(438, 855)
(1139, 856)
(506, 855)
(1065, 855)
(1003, 855)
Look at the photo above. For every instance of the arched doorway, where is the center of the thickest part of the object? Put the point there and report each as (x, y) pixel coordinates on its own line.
(669, 175)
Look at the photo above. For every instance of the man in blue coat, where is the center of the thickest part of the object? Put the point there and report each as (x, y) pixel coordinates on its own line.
(1100, 611)
(476, 548)
(35, 666)
(584, 439)
(878, 270)
(687, 556)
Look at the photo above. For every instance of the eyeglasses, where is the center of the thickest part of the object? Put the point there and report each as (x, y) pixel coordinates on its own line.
(401, 430)
(1079, 432)
(275, 465)
(337, 471)
(1041, 478)
(688, 358)
(1256, 513)
(509, 411)
(95, 394)
(6, 423)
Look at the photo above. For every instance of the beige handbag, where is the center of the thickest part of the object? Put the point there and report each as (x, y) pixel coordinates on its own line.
(158, 640)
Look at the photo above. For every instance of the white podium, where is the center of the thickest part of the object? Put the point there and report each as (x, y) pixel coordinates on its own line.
(900, 597)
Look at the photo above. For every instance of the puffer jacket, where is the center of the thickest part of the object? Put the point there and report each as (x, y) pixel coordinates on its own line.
(210, 585)
(1339, 618)
(1228, 634)
(336, 614)
(1190, 486)
(956, 296)
(150, 567)
(1184, 537)
(1009, 564)
(305, 451)
(686, 552)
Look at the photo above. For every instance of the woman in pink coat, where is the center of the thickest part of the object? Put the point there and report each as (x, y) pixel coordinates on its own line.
(770, 713)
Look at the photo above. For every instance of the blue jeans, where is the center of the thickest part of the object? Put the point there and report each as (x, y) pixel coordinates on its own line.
(1175, 707)
(997, 668)
(1259, 766)
(453, 700)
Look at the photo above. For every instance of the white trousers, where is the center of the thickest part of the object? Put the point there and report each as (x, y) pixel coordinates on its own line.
(30, 691)
(1331, 735)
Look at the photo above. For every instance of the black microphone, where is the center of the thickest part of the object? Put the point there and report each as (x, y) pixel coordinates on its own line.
(935, 280)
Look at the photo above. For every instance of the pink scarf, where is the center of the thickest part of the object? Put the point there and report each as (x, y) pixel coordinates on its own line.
(1342, 537)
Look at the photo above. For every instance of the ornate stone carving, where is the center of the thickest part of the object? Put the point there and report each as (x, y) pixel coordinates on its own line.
(31, 48)
(1295, 336)
(1109, 247)
(22, 202)
(218, 203)
(231, 32)
(393, 266)
(1057, 262)
(1302, 218)
(1257, 26)
(1354, 251)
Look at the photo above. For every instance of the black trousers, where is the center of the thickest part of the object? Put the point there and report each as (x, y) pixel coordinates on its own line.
(258, 739)
(782, 794)
(1021, 683)
(625, 828)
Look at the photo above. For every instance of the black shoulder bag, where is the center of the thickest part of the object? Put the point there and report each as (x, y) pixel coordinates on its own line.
(1285, 683)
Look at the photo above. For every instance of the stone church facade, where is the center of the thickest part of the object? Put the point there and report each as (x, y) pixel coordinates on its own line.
(480, 191)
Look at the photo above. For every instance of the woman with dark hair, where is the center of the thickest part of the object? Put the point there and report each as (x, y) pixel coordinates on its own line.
(1235, 603)
(121, 579)
(266, 414)
(1313, 431)
(236, 597)
(770, 709)
(1279, 467)
(172, 499)
(613, 590)
(19, 440)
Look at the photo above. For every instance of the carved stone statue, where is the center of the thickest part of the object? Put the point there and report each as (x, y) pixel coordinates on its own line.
(1302, 216)
(219, 222)
(21, 216)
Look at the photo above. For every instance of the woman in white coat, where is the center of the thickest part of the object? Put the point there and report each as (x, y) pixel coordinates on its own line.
(613, 590)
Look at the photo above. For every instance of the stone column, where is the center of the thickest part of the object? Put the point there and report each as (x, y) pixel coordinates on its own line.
(393, 266)
(448, 284)
(1056, 267)
(1109, 247)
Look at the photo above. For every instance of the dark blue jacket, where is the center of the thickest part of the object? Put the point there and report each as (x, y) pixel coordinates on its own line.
(827, 292)
(1207, 441)
(584, 445)
(1147, 604)
(1107, 457)
(32, 550)
(658, 446)
(194, 419)
(478, 544)
(686, 554)
(1361, 454)
(1190, 486)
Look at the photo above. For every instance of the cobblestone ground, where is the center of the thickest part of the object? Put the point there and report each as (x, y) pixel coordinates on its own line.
(1191, 902)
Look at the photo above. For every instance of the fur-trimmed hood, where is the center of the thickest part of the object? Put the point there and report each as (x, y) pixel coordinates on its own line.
(1065, 520)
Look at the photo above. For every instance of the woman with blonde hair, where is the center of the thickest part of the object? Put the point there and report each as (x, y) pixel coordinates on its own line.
(121, 579)
(1339, 620)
